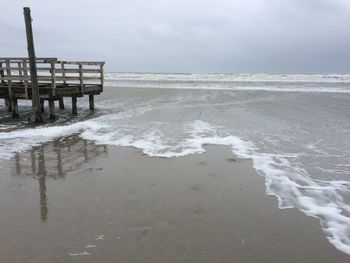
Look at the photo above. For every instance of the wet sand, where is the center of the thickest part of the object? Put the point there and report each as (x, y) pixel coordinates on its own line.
(114, 204)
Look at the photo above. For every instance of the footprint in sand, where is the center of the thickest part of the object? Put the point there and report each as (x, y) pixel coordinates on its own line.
(198, 211)
(197, 187)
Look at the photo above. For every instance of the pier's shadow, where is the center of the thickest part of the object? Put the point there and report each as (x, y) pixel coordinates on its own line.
(54, 161)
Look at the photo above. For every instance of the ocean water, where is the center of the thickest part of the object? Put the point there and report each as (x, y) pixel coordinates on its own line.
(295, 129)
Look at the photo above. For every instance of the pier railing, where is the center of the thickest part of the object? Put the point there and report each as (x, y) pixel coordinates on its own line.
(14, 72)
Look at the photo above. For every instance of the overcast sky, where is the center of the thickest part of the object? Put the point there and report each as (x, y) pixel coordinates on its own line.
(297, 36)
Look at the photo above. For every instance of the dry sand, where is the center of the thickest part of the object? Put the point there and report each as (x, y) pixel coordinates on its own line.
(113, 204)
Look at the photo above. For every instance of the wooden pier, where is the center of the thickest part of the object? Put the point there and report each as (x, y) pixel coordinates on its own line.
(56, 79)
(40, 79)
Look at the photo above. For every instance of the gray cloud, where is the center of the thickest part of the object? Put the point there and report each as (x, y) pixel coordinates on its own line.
(187, 36)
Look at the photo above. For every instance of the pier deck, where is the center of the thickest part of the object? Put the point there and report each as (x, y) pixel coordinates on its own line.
(56, 79)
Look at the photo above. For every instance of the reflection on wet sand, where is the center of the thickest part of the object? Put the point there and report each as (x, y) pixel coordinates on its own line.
(42, 184)
(54, 160)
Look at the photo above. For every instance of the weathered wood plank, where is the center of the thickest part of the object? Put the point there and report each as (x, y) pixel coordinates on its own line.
(84, 62)
(72, 70)
(26, 58)
(59, 78)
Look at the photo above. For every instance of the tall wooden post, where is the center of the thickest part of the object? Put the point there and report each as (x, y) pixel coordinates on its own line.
(8, 104)
(91, 102)
(32, 65)
(61, 103)
(52, 109)
(74, 105)
(42, 105)
(14, 106)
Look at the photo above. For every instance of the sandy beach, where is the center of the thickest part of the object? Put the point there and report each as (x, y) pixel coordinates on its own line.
(175, 131)
(74, 201)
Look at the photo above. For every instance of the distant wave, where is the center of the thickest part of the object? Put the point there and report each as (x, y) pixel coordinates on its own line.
(331, 83)
(242, 77)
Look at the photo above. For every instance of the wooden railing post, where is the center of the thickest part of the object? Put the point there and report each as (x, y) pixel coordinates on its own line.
(63, 74)
(32, 65)
(81, 78)
(13, 100)
(53, 79)
(25, 74)
(2, 75)
(101, 75)
(8, 75)
(20, 72)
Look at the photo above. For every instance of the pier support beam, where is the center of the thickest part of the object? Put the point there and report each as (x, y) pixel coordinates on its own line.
(8, 104)
(61, 103)
(52, 109)
(74, 105)
(42, 106)
(14, 106)
(91, 102)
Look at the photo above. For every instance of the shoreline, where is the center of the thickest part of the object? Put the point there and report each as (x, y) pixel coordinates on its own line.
(114, 203)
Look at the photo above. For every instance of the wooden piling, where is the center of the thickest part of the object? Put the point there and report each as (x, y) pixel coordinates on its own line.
(61, 103)
(52, 109)
(2, 74)
(14, 106)
(42, 105)
(32, 65)
(8, 104)
(74, 105)
(91, 102)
